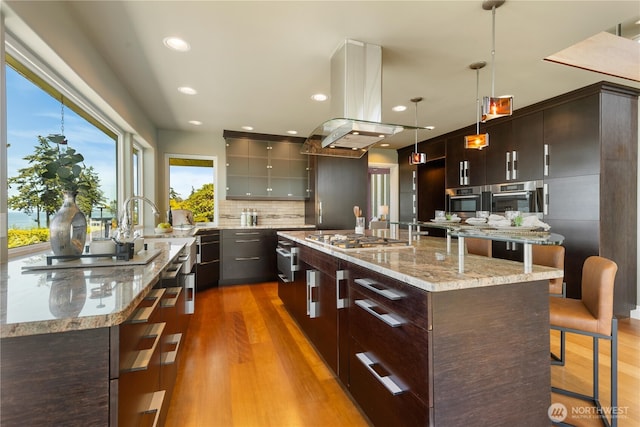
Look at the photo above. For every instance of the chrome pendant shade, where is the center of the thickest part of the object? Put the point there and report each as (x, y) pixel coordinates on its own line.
(492, 106)
(417, 158)
(477, 141)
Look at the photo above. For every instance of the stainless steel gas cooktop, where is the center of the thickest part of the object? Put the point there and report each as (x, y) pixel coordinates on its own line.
(357, 241)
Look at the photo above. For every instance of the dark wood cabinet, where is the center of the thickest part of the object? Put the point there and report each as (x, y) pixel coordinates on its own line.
(572, 135)
(515, 151)
(464, 167)
(337, 185)
(247, 255)
(265, 167)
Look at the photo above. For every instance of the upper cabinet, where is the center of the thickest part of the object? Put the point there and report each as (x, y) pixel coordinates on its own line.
(265, 167)
(515, 151)
(572, 138)
(464, 167)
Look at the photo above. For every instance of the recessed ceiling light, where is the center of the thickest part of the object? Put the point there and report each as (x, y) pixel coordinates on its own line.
(384, 145)
(292, 132)
(430, 127)
(187, 90)
(319, 97)
(195, 122)
(399, 108)
(247, 127)
(176, 43)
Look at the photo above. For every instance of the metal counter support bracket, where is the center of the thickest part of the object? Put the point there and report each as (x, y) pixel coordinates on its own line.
(528, 258)
(460, 252)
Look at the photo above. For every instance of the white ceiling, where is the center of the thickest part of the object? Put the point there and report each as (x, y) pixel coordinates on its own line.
(258, 63)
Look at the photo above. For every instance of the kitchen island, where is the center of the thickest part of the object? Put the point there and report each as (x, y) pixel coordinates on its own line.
(89, 345)
(418, 342)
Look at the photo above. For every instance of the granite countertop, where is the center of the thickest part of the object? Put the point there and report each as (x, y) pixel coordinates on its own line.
(426, 264)
(177, 232)
(48, 301)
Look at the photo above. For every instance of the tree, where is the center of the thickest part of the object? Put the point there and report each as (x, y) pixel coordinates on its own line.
(36, 193)
(92, 195)
(51, 170)
(200, 202)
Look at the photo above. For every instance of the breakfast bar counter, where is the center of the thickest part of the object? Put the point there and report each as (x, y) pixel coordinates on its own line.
(415, 340)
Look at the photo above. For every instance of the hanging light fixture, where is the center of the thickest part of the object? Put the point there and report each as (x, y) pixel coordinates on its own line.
(492, 106)
(417, 158)
(477, 141)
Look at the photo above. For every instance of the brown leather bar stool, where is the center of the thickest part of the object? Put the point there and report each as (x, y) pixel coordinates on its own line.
(551, 256)
(478, 246)
(591, 315)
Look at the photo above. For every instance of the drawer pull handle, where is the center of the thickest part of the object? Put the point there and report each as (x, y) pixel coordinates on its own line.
(169, 357)
(247, 233)
(312, 289)
(341, 302)
(140, 360)
(387, 318)
(247, 240)
(251, 258)
(154, 406)
(143, 314)
(386, 381)
(189, 293)
(376, 287)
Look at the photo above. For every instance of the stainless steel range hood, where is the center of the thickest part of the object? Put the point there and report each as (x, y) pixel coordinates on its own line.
(356, 99)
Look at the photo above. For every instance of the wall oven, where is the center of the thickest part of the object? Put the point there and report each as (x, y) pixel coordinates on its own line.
(526, 197)
(465, 201)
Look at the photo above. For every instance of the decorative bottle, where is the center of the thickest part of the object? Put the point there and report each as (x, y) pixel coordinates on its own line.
(243, 218)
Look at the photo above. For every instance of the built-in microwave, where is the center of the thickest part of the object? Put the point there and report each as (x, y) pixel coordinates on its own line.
(526, 197)
(466, 201)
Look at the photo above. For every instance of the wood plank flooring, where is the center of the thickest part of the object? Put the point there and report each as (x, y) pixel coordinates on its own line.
(248, 364)
(245, 363)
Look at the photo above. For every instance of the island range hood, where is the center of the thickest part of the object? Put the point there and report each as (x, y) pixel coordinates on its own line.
(356, 102)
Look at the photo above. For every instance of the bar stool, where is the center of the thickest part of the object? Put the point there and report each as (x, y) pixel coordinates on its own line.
(592, 315)
(551, 256)
(478, 246)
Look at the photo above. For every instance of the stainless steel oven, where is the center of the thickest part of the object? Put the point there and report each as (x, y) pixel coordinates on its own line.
(287, 255)
(526, 197)
(465, 201)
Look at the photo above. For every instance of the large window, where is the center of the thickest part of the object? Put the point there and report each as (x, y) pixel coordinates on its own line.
(36, 109)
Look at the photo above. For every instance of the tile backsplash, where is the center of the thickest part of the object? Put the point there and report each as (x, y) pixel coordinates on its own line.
(270, 212)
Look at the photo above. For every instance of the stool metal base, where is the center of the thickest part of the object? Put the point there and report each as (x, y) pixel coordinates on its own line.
(595, 399)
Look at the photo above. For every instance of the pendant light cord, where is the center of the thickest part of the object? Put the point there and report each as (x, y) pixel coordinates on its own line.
(416, 124)
(477, 101)
(493, 51)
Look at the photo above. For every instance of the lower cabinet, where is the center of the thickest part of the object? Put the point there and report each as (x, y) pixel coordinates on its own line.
(388, 348)
(247, 255)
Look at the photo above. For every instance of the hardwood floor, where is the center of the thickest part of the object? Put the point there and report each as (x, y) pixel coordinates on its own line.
(246, 364)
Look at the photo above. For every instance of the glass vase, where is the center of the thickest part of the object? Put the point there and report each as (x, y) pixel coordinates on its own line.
(68, 228)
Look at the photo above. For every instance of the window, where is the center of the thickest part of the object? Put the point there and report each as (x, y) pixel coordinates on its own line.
(36, 109)
(192, 185)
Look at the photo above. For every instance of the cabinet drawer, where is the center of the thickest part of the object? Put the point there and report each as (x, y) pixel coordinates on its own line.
(243, 248)
(382, 406)
(406, 301)
(247, 268)
(402, 348)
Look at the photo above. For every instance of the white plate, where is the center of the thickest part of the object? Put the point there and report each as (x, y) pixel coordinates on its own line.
(447, 220)
(163, 230)
(476, 221)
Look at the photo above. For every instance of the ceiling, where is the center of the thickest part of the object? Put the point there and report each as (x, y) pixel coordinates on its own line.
(258, 63)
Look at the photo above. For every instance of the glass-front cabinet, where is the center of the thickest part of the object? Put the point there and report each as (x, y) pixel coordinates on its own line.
(265, 167)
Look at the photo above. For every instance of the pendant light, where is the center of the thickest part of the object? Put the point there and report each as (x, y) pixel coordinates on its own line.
(417, 158)
(477, 141)
(492, 106)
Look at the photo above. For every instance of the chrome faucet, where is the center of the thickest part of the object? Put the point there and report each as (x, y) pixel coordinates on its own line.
(126, 219)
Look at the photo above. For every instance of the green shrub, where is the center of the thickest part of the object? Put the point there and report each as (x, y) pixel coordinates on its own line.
(17, 237)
